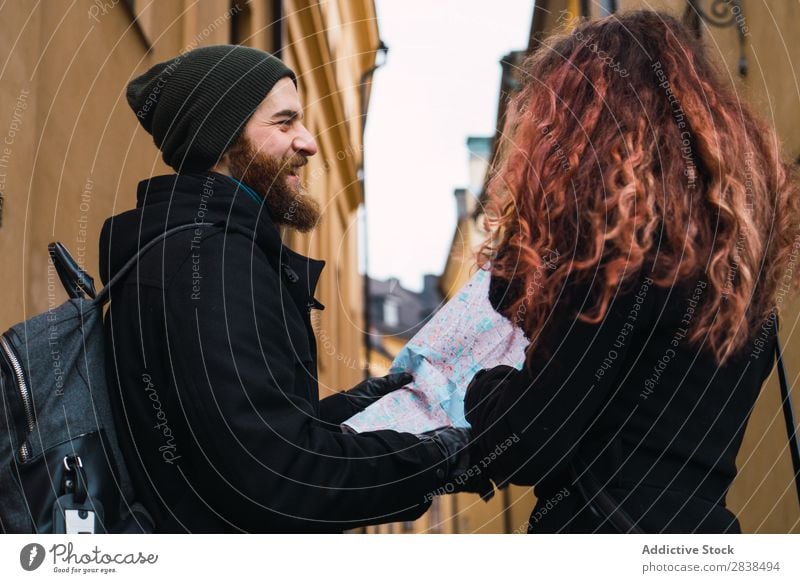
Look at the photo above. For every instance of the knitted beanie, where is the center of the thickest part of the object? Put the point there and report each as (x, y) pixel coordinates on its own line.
(196, 104)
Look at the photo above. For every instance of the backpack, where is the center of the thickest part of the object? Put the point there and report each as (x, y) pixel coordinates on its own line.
(61, 467)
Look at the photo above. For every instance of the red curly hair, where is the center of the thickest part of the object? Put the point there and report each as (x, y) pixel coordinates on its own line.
(624, 151)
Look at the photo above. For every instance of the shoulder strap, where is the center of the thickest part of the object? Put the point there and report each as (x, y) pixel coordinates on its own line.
(605, 507)
(102, 295)
(598, 500)
(788, 412)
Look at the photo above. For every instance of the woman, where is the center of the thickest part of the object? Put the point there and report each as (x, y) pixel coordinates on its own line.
(646, 229)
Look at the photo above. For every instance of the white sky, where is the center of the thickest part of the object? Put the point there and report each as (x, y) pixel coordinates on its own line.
(439, 85)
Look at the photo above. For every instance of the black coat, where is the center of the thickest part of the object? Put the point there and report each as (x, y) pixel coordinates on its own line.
(212, 364)
(655, 418)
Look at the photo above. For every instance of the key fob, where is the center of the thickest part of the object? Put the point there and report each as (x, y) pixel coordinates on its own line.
(69, 517)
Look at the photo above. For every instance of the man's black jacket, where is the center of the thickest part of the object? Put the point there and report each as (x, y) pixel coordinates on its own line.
(212, 365)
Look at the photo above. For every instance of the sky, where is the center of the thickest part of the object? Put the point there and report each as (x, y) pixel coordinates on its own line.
(439, 85)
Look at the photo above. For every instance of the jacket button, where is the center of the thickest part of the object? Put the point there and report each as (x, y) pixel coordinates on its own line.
(440, 473)
(291, 274)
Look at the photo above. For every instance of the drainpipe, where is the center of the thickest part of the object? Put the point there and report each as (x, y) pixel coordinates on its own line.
(382, 49)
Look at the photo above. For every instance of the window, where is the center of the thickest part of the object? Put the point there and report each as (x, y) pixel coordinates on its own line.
(391, 313)
(608, 7)
(241, 23)
(141, 13)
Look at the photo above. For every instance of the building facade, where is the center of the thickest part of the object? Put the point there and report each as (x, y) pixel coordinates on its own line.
(509, 510)
(758, 44)
(74, 152)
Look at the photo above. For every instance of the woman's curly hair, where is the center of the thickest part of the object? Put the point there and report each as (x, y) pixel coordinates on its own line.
(625, 151)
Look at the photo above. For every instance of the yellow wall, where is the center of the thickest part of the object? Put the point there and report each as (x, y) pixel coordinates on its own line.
(330, 82)
(77, 151)
(510, 508)
(763, 494)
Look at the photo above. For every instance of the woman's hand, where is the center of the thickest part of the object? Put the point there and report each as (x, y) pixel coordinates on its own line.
(483, 384)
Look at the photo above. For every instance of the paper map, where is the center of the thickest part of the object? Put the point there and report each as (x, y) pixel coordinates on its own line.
(465, 336)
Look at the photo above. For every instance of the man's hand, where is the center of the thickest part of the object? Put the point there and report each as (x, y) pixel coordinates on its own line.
(367, 392)
(341, 406)
(463, 472)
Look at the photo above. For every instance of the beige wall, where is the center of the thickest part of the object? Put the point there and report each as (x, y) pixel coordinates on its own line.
(763, 494)
(77, 151)
(330, 83)
(19, 44)
(509, 510)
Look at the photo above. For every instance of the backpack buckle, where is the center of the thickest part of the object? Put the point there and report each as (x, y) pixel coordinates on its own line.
(71, 459)
(74, 511)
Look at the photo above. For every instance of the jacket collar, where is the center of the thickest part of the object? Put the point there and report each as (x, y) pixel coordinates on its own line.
(213, 197)
(302, 275)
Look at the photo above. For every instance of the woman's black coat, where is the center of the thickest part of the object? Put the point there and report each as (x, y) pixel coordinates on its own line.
(653, 417)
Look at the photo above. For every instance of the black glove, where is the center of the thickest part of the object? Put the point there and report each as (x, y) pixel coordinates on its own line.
(483, 391)
(341, 406)
(463, 473)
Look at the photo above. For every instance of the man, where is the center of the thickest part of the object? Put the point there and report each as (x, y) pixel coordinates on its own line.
(210, 343)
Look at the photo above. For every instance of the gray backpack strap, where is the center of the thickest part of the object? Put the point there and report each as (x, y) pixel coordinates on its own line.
(102, 295)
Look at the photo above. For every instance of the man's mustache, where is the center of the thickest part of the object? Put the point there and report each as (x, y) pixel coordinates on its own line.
(294, 163)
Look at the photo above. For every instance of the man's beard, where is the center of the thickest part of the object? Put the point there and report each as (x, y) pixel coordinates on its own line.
(288, 204)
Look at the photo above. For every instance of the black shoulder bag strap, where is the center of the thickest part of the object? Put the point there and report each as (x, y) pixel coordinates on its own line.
(605, 507)
(600, 502)
(597, 499)
(102, 295)
(788, 412)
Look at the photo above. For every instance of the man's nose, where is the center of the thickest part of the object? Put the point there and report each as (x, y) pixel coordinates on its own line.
(304, 143)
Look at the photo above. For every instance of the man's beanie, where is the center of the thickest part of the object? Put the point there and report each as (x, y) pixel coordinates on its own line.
(196, 105)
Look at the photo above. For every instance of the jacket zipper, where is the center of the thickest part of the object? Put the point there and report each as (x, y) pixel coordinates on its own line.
(24, 393)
